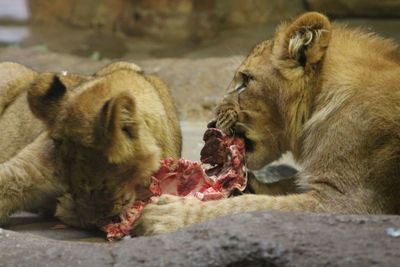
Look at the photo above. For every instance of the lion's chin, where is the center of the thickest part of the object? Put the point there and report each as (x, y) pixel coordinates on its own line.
(252, 157)
(258, 157)
(253, 161)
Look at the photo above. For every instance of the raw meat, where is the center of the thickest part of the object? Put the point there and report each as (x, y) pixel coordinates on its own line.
(220, 171)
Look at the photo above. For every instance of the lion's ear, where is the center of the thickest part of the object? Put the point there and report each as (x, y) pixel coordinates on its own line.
(301, 44)
(46, 95)
(119, 127)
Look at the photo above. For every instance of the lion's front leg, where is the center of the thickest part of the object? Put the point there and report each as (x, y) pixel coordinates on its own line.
(171, 213)
(29, 179)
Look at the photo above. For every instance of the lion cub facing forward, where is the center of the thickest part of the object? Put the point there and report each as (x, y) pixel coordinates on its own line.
(329, 94)
(104, 136)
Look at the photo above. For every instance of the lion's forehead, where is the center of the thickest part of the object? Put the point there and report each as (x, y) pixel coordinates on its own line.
(85, 106)
(92, 95)
(261, 48)
(258, 57)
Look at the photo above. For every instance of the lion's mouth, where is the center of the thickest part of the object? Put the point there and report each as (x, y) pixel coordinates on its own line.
(248, 144)
(241, 132)
(237, 131)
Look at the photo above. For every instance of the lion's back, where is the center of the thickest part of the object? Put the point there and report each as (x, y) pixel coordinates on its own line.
(18, 125)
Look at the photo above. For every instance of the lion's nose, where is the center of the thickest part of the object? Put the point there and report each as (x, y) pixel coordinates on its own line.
(212, 124)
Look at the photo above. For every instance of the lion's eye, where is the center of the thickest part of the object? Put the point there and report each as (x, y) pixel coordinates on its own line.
(246, 78)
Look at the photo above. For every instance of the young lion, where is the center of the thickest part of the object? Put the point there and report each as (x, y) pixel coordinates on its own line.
(104, 136)
(329, 94)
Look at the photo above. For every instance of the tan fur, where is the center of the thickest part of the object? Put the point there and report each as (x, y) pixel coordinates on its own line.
(281, 187)
(103, 137)
(334, 101)
(14, 111)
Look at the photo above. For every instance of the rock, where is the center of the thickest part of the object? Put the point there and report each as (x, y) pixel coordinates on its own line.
(262, 238)
(356, 7)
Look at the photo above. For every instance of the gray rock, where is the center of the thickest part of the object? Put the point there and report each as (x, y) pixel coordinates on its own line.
(262, 238)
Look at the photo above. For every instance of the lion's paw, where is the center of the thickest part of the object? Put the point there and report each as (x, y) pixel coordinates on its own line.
(168, 214)
(226, 119)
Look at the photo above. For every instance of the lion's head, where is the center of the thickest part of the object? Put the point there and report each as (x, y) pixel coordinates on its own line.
(266, 102)
(102, 130)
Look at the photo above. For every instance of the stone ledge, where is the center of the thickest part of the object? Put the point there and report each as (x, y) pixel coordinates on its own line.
(257, 238)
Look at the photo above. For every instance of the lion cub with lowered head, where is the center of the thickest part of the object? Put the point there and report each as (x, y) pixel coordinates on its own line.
(104, 136)
(329, 94)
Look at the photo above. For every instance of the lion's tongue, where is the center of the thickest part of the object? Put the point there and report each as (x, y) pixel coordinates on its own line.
(221, 172)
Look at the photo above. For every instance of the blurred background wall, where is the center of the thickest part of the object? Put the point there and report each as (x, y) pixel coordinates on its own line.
(163, 19)
(103, 26)
(84, 27)
(191, 20)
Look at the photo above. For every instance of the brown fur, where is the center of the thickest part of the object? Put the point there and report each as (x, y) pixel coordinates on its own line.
(104, 136)
(329, 94)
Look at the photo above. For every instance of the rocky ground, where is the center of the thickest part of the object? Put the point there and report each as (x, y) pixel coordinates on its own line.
(197, 76)
(263, 238)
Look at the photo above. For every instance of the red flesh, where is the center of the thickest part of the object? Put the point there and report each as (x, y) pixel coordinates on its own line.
(220, 172)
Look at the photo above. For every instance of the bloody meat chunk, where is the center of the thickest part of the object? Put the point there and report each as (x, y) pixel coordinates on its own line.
(120, 225)
(220, 171)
